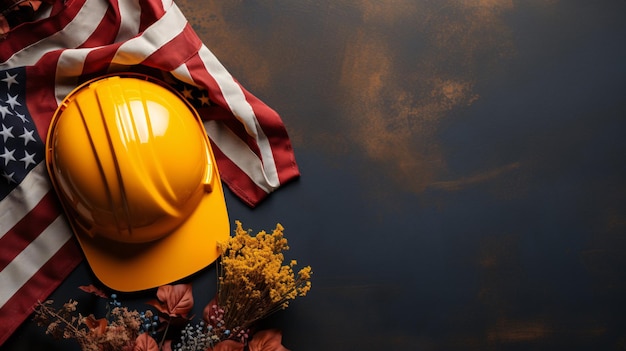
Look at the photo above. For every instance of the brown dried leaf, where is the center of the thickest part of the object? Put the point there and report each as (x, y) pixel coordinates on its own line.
(228, 345)
(145, 342)
(93, 290)
(175, 300)
(167, 345)
(97, 326)
(267, 340)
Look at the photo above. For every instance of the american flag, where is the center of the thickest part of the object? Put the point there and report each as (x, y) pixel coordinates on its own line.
(68, 43)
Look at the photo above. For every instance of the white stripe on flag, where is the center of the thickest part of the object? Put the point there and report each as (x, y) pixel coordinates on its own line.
(32, 258)
(24, 198)
(130, 12)
(237, 103)
(182, 73)
(69, 68)
(132, 52)
(135, 50)
(230, 144)
(71, 36)
(167, 4)
(233, 148)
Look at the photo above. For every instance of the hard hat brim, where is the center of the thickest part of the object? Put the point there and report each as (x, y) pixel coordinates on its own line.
(185, 250)
(189, 249)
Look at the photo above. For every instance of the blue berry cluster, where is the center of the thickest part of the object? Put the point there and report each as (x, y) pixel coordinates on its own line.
(196, 338)
(149, 322)
(114, 302)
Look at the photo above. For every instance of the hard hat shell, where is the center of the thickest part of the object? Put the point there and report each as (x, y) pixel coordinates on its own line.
(134, 170)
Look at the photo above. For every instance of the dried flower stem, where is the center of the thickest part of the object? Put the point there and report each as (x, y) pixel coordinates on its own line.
(63, 324)
(91, 334)
(253, 282)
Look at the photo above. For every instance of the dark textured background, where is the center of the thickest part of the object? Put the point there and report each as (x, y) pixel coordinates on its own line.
(463, 169)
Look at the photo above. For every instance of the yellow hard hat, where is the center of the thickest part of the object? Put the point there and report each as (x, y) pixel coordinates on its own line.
(133, 168)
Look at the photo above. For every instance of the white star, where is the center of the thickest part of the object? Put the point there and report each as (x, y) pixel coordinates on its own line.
(6, 133)
(10, 79)
(28, 136)
(7, 156)
(12, 100)
(22, 117)
(28, 159)
(8, 177)
(4, 110)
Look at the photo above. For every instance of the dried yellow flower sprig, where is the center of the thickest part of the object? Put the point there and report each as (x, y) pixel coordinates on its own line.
(253, 281)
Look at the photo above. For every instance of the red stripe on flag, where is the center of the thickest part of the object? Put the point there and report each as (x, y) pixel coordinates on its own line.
(238, 129)
(220, 111)
(176, 51)
(273, 127)
(98, 60)
(24, 36)
(224, 116)
(57, 6)
(150, 12)
(17, 309)
(103, 18)
(107, 29)
(238, 182)
(28, 229)
(269, 121)
(200, 76)
(40, 97)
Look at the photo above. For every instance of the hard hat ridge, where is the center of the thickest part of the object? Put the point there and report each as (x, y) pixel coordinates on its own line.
(131, 163)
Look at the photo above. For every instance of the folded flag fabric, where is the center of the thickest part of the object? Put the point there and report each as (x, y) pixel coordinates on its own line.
(14, 12)
(67, 43)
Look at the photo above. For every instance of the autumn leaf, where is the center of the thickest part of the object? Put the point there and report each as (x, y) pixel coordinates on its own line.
(267, 340)
(145, 342)
(97, 326)
(174, 300)
(228, 345)
(167, 345)
(93, 290)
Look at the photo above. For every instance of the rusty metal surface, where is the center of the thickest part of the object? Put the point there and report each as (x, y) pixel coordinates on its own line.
(463, 167)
